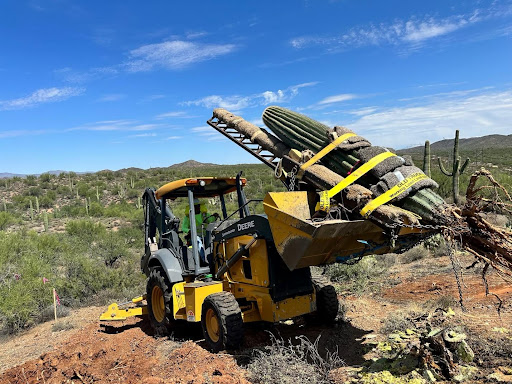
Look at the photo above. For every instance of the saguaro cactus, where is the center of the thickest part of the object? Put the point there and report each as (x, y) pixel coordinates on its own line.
(426, 158)
(45, 221)
(97, 194)
(457, 169)
(37, 205)
(5, 205)
(31, 210)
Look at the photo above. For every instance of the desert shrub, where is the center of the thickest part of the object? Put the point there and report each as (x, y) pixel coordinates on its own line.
(45, 177)
(30, 180)
(399, 321)
(83, 189)
(417, 253)
(6, 219)
(85, 230)
(133, 193)
(96, 209)
(73, 262)
(444, 302)
(358, 276)
(48, 313)
(62, 326)
(285, 363)
(33, 191)
(124, 210)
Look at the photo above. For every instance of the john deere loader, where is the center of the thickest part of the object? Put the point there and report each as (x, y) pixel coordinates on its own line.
(245, 267)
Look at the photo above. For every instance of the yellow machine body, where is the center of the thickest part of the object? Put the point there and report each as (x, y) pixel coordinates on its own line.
(114, 312)
(296, 240)
(188, 298)
(249, 279)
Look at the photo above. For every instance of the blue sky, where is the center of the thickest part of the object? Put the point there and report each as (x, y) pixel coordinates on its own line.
(92, 85)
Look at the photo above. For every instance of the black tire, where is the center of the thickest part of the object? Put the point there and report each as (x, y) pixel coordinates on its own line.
(327, 304)
(222, 308)
(160, 314)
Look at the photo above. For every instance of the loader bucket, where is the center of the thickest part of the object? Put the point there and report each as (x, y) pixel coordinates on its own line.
(302, 242)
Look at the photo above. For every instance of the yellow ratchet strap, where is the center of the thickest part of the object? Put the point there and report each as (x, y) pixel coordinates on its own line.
(324, 152)
(392, 193)
(326, 196)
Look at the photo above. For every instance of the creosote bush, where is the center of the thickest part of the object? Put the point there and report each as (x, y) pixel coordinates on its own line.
(82, 264)
(359, 276)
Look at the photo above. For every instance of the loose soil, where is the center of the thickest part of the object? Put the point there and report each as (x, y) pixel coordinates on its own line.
(128, 352)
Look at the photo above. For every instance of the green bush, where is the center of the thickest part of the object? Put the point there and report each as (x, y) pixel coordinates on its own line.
(6, 219)
(75, 265)
(358, 277)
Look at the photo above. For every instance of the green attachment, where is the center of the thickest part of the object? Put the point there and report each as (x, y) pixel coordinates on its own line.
(457, 169)
(426, 159)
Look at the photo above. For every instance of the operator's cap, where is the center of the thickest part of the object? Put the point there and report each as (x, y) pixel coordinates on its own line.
(196, 201)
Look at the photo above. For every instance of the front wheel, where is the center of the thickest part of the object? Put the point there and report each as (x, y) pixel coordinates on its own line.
(159, 298)
(327, 304)
(221, 320)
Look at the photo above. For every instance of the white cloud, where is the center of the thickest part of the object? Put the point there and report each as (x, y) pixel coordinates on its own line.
(237, 102)
(174, 114)
(412, 32)
(363, 111)
(41, 96)
(234, 103)
(143, 135)
(489, 112)
(112, 97)
(337, 98)
(170, 55)
(173, 138)
(116, 125)
(173, 55)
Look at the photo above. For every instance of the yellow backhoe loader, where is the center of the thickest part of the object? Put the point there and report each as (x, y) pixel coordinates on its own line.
(244, 267)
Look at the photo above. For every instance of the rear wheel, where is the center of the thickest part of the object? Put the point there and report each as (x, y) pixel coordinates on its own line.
(159, 298)
(221, 320)
(327, 304)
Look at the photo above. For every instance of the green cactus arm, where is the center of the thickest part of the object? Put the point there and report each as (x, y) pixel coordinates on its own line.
(463, 168)
(443, 169)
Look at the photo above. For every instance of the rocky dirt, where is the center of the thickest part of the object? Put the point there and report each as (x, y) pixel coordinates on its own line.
(128, 353)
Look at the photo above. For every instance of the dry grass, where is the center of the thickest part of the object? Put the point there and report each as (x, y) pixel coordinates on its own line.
(286, 363)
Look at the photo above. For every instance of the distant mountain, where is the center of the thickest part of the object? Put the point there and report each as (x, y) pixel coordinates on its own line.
(471, 144)
(185, 164)
(7, 175)
(191, 164)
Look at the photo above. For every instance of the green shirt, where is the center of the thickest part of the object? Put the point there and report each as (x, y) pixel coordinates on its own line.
(201, 218)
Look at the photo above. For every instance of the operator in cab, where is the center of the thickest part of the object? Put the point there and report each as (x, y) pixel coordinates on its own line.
(202, 220)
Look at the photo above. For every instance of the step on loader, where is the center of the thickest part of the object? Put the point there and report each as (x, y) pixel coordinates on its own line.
(243, 267)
